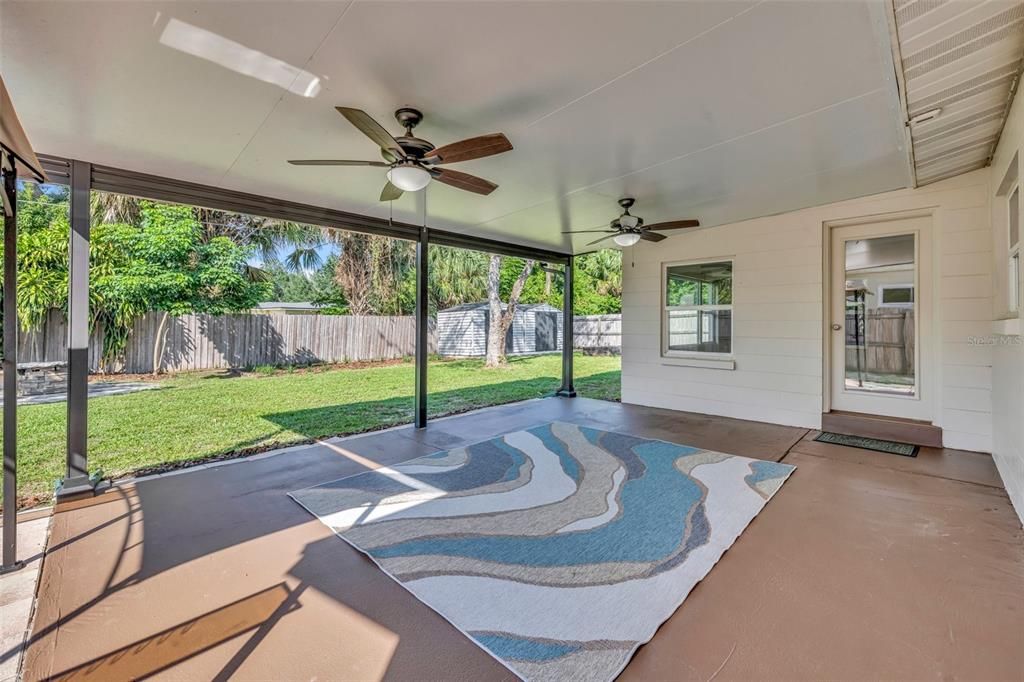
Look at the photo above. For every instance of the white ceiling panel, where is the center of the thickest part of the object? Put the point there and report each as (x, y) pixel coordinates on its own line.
(98, 84)
(961, 58)
(715, 110)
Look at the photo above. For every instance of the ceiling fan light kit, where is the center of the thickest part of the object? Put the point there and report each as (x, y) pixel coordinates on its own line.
(628, 229)
(408, 177)
(412, 161)
(626, 238)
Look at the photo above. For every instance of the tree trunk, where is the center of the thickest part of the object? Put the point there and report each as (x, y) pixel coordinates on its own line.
(159, 343)
(498, 321)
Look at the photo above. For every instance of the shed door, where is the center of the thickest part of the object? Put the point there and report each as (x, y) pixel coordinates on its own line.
(546, 331)
(508, 334)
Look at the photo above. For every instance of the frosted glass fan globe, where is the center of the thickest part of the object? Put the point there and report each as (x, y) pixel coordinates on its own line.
(408, 178)
(626, 238)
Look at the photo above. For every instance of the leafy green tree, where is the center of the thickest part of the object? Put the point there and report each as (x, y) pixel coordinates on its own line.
(293, 246)
(293, 287)
(598, 284)
(500, 320)
(43, 229)
(326, 292)
(163, 264)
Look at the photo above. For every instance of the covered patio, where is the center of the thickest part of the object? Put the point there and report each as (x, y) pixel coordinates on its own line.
(216, 574)
(840, 185)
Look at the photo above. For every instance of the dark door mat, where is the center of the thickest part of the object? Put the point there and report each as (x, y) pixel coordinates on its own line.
(887, 446)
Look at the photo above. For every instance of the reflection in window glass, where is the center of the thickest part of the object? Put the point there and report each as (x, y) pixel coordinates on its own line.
(698, 308)
(880, 315)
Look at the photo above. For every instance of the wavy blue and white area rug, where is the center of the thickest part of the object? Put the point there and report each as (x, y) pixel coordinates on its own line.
(559, 549)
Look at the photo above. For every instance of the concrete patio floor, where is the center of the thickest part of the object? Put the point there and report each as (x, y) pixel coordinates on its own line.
(865, 565)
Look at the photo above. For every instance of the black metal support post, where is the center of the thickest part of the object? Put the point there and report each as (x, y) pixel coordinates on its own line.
(76, 481)
(567, 390)
(422, 329)
(10, 364)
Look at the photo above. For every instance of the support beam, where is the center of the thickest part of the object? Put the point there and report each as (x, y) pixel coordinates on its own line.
(76, 481)
(567, 390)
(422, 327)
(109, 179)
(10, 364)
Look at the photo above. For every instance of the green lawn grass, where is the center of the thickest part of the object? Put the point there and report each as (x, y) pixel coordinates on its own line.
(203, 415)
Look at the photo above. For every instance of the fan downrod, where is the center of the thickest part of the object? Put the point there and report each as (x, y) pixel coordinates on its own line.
(627, 203)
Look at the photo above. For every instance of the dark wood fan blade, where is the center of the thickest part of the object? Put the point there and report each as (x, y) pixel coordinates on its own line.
(673, 225)
(473, 148)
(586, 231)
(465, 181)
(336, 162)
(652, 236)
(598, 241)
(373, 130)
(390, 192)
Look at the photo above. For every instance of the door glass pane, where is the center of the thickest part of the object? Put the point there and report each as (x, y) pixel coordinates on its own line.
(880, 311)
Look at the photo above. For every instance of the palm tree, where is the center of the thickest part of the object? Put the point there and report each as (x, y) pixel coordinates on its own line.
(373, 273)
(456, 276)
(605, 267)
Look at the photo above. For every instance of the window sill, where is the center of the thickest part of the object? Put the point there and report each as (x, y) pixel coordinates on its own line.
(1007, 327)
(694, 361)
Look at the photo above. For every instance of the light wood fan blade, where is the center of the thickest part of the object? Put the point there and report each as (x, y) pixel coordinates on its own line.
(673, 225)
(373, 130)
(598, 241)
(465, 181)
(336, 162)
(652, 236)
(390, 192)
(472, 148)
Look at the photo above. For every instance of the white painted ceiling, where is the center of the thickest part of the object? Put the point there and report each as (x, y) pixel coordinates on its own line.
(719, 111)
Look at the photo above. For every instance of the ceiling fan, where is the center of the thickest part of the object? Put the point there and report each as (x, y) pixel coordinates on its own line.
(412, 161)
(628, 229)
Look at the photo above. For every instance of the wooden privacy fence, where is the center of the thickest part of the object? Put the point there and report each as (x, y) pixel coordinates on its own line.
(883, 343)
(196, 342)
(598, 333)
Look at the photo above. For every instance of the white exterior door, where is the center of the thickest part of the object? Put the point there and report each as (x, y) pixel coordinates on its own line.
(881, 302)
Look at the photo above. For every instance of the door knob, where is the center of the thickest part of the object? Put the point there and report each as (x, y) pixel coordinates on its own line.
(836, 327)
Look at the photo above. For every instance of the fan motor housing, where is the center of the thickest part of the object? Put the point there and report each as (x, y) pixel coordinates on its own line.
(414, 146)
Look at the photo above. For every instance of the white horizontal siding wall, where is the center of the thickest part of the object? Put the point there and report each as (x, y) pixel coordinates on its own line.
(1008, 350)
(777, 348)
(778, 313)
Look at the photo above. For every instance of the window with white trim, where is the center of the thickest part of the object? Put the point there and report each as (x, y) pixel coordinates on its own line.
(697, 315)
(1013, 270)
(896, 296)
